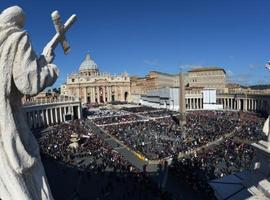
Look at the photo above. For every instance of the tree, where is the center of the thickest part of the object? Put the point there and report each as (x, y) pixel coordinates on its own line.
(57, 90)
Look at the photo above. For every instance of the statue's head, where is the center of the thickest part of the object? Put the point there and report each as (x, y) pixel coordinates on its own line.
(13, 16)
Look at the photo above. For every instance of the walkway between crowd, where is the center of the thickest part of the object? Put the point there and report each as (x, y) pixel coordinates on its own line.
(165, 180)
(208, 145)
(133, 157)
(127, 122)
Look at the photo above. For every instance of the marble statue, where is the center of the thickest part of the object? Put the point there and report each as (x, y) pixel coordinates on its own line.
(22, 176)
(266, 131)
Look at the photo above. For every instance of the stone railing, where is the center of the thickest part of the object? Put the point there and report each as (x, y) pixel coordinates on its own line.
(59, 99)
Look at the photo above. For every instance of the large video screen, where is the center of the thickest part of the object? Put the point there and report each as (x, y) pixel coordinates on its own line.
(209, 96)
(68, 117)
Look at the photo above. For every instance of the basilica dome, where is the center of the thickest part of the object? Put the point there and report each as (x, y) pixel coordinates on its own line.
(88, 64)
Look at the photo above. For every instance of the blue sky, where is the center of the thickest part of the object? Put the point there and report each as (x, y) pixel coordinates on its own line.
(138, 36)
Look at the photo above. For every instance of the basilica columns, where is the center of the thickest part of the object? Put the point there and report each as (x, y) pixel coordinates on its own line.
(61, 114)
(97, 94)
(108, 94)
(85, 94)
(93, 96)
(79, 112)
(103, 94)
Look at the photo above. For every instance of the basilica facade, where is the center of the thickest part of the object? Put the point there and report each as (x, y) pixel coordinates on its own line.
(94, 87)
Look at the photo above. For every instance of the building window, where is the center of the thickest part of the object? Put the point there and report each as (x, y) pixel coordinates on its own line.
(72, 80)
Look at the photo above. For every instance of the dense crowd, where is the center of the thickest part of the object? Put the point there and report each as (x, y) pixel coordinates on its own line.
(150, 138)
(82, 147)
(211, 145)
(207, 126)
(79, 146)
(95, 113)
(162, 137)
(224, 159)
(116, 119)
(232, 155)
(160, 113)
(140, 109)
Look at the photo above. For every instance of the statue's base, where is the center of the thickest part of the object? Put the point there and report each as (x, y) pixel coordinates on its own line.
(252, 184)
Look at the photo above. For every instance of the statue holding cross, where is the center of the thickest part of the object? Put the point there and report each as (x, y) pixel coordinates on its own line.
(22, 72)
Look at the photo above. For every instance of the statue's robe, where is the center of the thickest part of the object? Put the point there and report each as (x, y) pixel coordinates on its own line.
(22, 175)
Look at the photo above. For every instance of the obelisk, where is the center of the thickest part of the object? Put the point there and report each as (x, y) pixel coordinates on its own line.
(182, 102)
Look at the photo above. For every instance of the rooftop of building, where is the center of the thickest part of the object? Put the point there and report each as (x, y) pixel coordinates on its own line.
(194, 88)
(163, 73)
(204, 69)
(233, 85)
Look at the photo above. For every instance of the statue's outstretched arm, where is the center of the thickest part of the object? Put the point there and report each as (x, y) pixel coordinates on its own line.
(32, 74)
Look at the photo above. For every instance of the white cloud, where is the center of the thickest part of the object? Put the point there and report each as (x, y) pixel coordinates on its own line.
(254, 66)
(189, 66)
(248, 79)
(231, 57)
(229, 72)
(153, 62)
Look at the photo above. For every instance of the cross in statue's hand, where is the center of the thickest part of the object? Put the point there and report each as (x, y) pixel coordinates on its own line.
(61, 29)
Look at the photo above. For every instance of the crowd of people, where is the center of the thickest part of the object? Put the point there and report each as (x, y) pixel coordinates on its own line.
(231, 156)
(82, 147)
(160, 113)
(151, 139)
(211, 145)
(96, 113)
(116, 119)
(92, 157)
(140, 109)
(163, 137)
